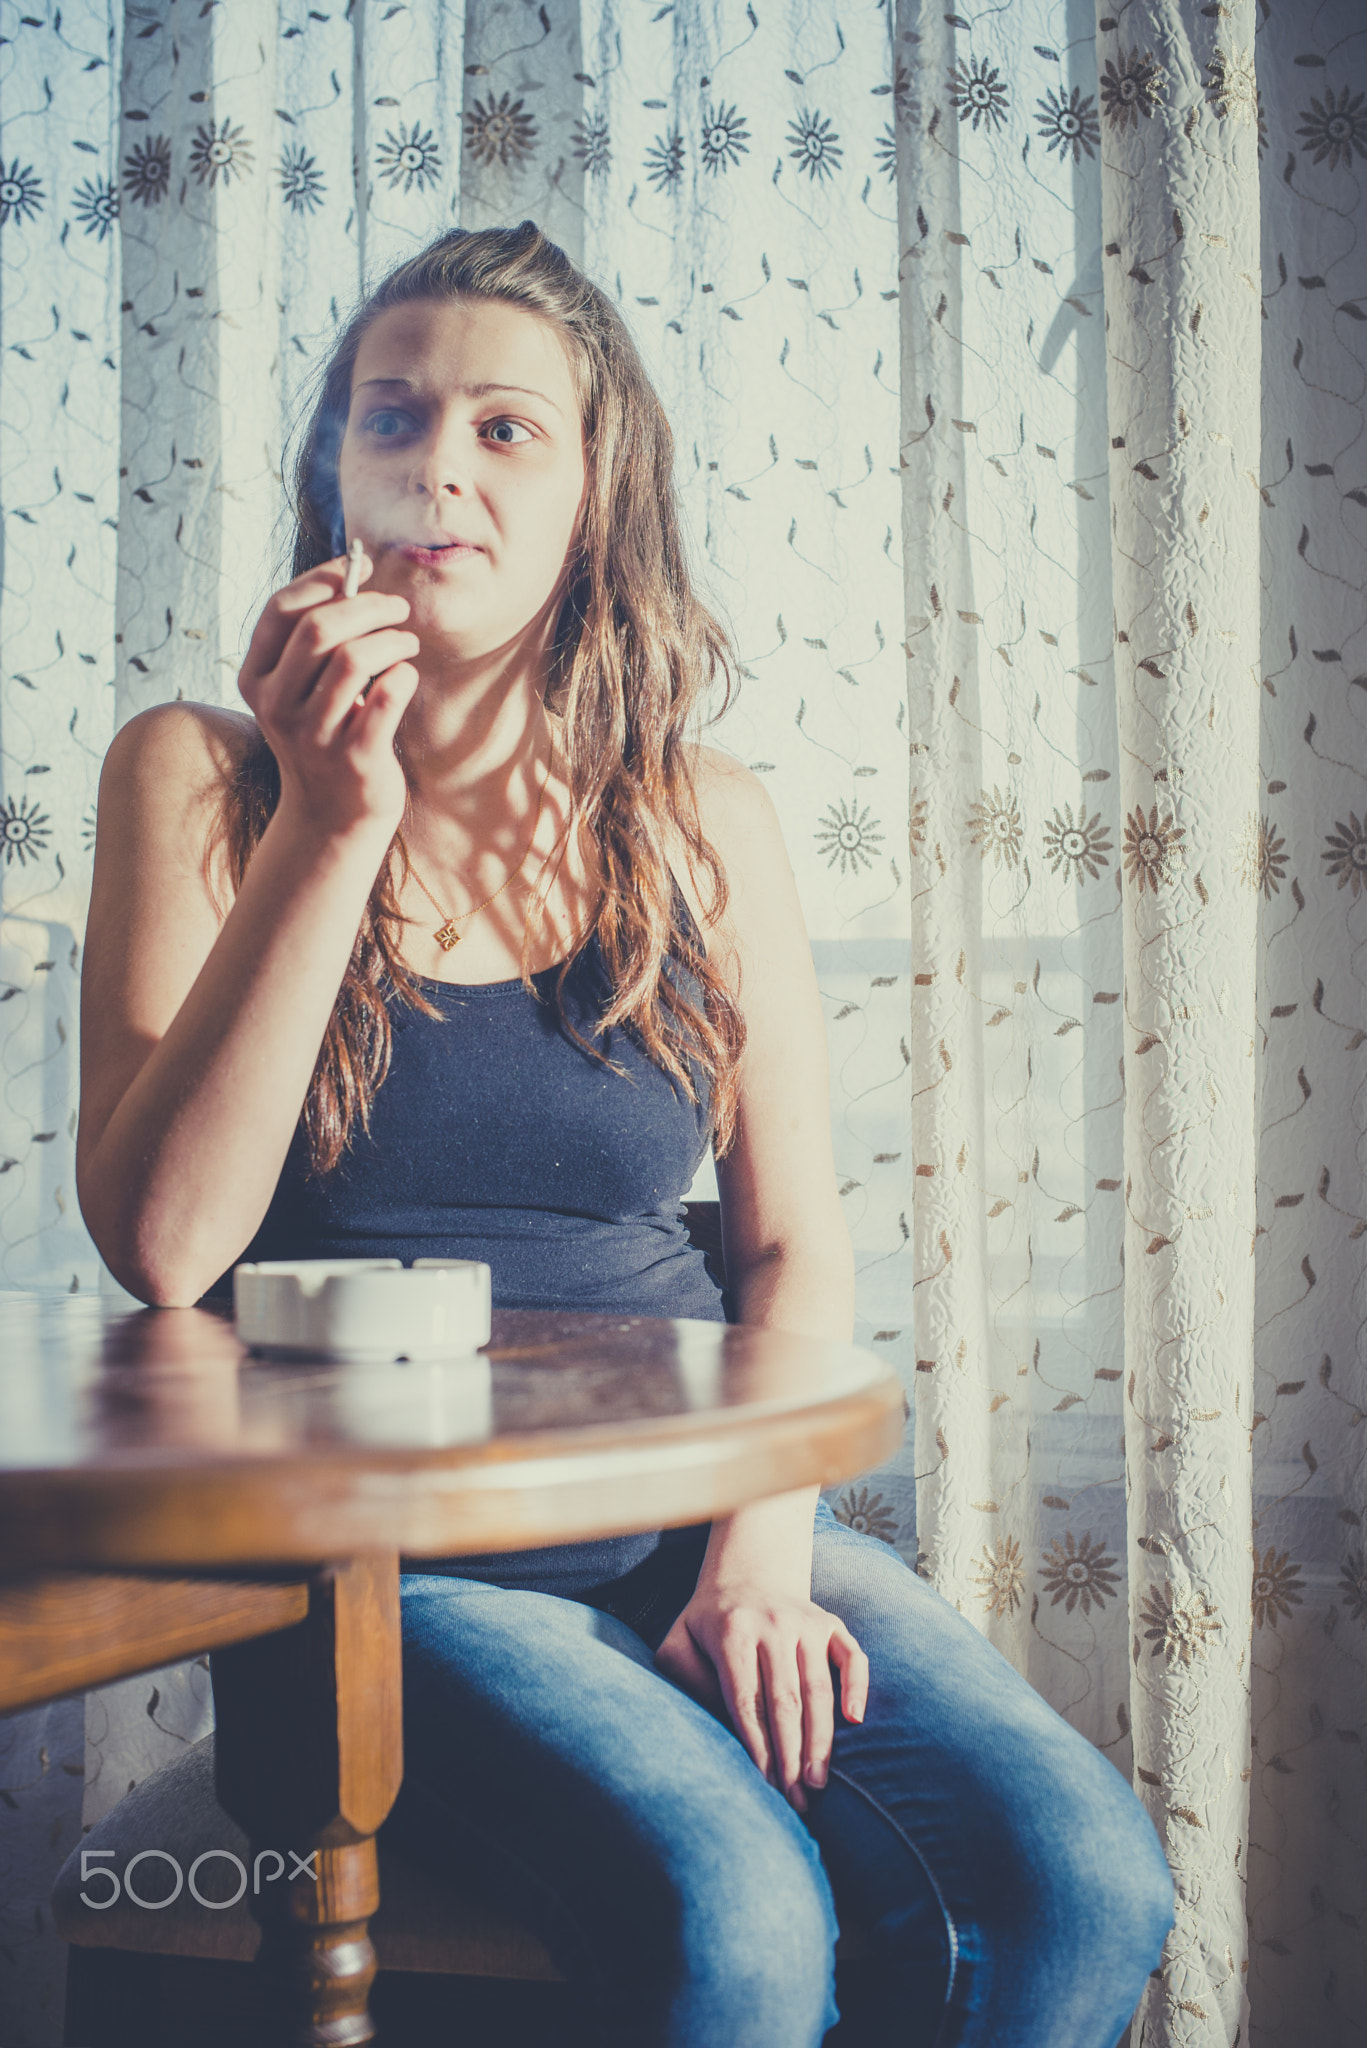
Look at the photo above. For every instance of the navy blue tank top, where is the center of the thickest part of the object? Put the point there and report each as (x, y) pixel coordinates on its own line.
(495, 1137)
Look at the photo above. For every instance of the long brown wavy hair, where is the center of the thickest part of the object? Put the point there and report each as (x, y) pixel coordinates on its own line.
(634, 653)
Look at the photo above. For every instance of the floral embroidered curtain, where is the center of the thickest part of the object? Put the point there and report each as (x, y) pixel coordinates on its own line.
(1132, 354)
(1016, 366)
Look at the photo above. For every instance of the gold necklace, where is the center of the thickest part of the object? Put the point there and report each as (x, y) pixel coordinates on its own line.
(446, 934)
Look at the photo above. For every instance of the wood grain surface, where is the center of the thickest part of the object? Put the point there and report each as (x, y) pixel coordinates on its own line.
(65, 1631)
(152, 1437)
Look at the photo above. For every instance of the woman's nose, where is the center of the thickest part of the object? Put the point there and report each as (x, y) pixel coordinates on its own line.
(442, 465)
(424, 488)
(426, 483)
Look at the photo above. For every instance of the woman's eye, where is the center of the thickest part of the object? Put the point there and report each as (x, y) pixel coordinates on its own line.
(389, 413)
(391, 422)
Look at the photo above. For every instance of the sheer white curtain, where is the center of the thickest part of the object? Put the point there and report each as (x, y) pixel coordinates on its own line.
(1016, 366)
(1132, 373)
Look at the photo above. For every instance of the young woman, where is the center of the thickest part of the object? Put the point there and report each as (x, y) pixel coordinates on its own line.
(458, 945)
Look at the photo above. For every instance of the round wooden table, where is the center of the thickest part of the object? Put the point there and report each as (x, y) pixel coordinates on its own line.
(163, 1493)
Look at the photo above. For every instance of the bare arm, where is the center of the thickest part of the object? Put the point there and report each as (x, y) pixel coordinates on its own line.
(199, 1029)
(751, 1635)
(789, 1260)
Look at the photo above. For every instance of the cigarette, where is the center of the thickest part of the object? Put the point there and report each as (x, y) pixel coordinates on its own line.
(353, 568)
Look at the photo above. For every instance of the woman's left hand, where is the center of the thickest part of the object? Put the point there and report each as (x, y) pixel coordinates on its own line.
(766, 1656)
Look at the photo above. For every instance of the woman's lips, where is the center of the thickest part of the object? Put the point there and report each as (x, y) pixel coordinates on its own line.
(458, 551)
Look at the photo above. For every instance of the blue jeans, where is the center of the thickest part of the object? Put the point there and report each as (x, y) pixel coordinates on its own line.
(1012, 1884)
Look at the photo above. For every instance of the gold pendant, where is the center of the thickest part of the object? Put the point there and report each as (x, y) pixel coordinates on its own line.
(447, 937)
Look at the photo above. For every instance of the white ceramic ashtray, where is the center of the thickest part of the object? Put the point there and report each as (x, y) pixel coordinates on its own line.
(363, 1309)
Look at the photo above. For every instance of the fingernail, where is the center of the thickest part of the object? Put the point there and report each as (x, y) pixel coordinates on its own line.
(816, 1775)
(798, 1798)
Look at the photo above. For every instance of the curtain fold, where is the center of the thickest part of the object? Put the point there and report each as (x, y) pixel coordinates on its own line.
(1016, 369)
(1181, 228)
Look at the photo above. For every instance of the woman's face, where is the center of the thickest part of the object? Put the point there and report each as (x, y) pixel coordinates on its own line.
(464, 428)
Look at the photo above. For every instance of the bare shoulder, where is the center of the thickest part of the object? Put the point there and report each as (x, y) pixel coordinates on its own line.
(724, 781)
(735, 810)
(196, 741)
(162, 789)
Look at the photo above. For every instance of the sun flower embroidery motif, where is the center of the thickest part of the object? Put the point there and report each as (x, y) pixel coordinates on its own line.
(410, 156)
(994, 825)
(1353, 1585)
(1069, 124)
(1261, 859)
(21, 194)
(664, 161)
(24, 830)
(1346, 853)
(1131, 87)
(1078, 1574)
(976, 91)
(220, 153)
(591, 145)
(850, 837)
(866, 1513)
(1080, 846)
(1276, 1585)
(1151, 849)
(1178, 1629)
(816, 146)
(301, 181)
(500, 131)
(147, 171)
(96, 207)
(1231, 85)
(1335, 128)
(725, 138)
(1000, 1576)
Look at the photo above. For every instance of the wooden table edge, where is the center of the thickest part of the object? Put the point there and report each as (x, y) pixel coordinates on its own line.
(546, 1486)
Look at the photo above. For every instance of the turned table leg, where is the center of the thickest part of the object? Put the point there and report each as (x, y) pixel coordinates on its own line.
(308, 1760)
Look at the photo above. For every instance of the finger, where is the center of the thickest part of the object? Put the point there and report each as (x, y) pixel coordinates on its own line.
(347, 676)
(272, 630)
(742, 1687)
(314, 596)
(853, 1666)
(783, 1711)
(324, 668)
(818, 1708)
(366, 626)
(374, 715)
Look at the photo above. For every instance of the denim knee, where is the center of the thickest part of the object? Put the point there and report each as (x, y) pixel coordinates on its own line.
(1105, 1886)
(1139, 1879)
(758, 1969)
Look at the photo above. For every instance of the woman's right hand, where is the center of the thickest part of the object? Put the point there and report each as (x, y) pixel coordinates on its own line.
(311, 656)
